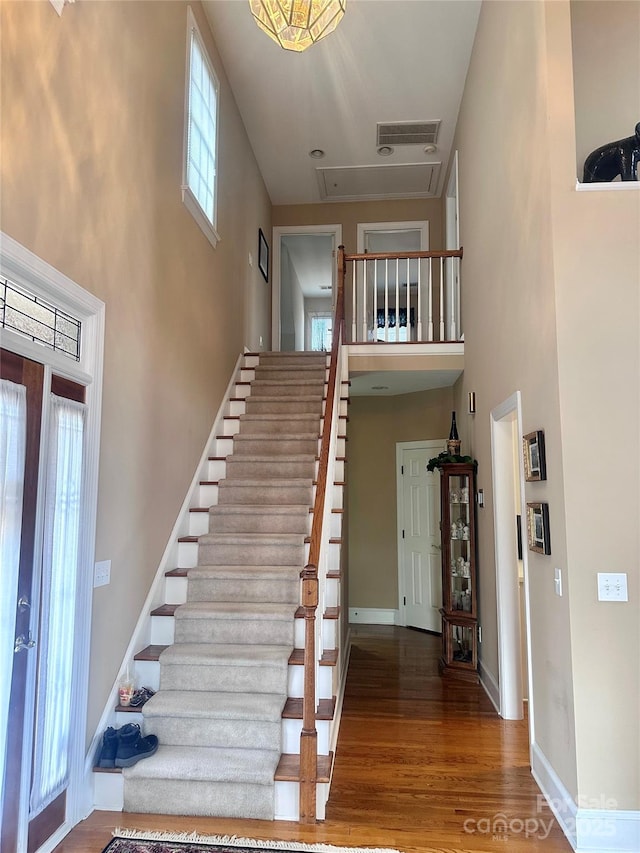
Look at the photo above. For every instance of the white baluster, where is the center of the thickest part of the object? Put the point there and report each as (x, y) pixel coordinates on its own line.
(375, 300)
(397, 327)
(430, 299)
(364, 304)
(419, 326)
(442, 335)
(354, 316)
(386, 299)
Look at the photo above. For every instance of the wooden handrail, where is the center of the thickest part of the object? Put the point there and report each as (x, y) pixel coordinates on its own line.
(392, 256)
(309, 576)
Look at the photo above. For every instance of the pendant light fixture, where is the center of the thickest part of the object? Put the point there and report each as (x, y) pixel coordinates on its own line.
(297, 24)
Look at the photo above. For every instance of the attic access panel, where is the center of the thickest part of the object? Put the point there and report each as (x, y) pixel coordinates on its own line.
(412, 180)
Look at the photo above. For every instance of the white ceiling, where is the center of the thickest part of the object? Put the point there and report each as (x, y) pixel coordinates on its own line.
(392, 382)
(388, 61)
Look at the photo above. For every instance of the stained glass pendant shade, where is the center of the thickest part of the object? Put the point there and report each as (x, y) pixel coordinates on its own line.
(297, 24)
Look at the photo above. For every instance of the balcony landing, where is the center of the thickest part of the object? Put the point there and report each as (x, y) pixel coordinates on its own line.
(403, 368)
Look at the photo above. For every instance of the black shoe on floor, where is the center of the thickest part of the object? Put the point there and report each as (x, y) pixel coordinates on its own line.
(132, 746)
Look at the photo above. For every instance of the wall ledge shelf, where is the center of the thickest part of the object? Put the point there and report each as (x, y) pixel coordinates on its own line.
(608, 186)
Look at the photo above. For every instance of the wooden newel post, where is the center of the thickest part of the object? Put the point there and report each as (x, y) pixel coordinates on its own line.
(309, 735)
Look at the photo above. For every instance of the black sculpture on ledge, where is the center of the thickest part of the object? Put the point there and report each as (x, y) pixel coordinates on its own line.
(617, 158)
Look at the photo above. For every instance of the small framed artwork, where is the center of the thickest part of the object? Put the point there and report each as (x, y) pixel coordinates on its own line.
(263, 255)
(535, 463)
(538, 528)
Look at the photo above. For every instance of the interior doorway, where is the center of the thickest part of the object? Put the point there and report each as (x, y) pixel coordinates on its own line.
(419, 547)
(511, 561)
(304, 278)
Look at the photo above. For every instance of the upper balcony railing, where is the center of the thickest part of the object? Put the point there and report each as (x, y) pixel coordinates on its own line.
(405, 297)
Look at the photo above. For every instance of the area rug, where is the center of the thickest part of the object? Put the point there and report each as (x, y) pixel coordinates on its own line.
(134, 841)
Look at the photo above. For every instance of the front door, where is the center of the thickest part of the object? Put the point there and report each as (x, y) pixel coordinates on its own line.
(419, 552)
(42, 472)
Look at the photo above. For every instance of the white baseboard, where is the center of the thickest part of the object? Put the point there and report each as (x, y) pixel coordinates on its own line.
(372, 616)
(588, 830)
(490, 685)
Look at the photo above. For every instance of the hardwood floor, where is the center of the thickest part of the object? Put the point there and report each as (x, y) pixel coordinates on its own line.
(422, 765)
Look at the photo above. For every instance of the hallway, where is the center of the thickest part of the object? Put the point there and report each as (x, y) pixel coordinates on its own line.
(422, 765)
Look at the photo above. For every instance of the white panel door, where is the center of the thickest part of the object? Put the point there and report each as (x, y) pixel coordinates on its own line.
(419, 544)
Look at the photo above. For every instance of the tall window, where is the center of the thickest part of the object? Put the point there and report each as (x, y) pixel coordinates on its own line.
(199, 190)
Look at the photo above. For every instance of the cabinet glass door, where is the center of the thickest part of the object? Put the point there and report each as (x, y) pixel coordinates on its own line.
(460, 547)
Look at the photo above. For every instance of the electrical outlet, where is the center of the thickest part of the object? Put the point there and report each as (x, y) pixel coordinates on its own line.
(479, 633)
(250, 259)
(612, 586)
(102, 573)
(557, 579)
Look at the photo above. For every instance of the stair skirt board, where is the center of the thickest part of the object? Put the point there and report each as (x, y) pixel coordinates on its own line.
(224, 674)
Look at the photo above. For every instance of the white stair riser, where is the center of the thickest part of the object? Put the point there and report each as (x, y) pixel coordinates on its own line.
(287, 800)
(208, 495)
(108, 792)
(247, 374)
(187, 555)
(162, 630)
(216, 469)
(251, 360)
(291, 736)
(324, 682)
(237, 407)
(175, 590)
(330, 633)
(198, 523)
(148, 673)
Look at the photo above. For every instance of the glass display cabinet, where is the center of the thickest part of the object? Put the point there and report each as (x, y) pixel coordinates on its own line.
(459, 594)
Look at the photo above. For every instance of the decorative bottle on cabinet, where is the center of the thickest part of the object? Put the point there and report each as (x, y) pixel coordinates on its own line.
(459, 593)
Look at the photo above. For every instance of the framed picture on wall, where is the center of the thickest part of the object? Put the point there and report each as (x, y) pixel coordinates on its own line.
(538, 528)
(535, 463)
(263, 255)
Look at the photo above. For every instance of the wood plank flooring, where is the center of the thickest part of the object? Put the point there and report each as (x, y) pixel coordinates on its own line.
(422, 765)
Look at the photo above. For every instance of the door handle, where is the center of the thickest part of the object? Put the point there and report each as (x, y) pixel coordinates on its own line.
(23, 603)
(22, 643)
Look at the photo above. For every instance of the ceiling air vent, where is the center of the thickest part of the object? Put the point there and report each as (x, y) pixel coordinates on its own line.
(408, 133)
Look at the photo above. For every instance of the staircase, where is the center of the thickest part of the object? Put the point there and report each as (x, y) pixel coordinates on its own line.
(228, 709)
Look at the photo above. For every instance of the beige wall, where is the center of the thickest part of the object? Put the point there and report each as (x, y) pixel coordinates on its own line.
(596, 257)
(551, 289)
(606, 69)
(376, 425)
(510, 330)
(349, 214)
(92, 135)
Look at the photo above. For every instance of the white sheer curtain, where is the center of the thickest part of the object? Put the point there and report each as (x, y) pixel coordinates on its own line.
(13, 431)
(59, 597)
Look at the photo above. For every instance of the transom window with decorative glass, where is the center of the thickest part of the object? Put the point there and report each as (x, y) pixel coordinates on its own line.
(199, 189)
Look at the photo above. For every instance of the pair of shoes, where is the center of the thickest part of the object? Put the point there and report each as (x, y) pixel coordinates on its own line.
(126, 746)
(141, 696)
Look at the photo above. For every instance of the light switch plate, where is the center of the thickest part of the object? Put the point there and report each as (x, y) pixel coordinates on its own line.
(612, 586)
(557, 579)
(102, 573)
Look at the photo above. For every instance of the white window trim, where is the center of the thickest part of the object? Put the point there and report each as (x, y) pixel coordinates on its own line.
(192, 204)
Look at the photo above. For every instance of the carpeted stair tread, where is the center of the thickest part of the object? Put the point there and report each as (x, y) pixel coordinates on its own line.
(266, 483)
(235, 610)
(251, 538)
(214, 705)
(225, 654)
(244, 572)
(266, 457)
(259, 509)
(208, 764)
